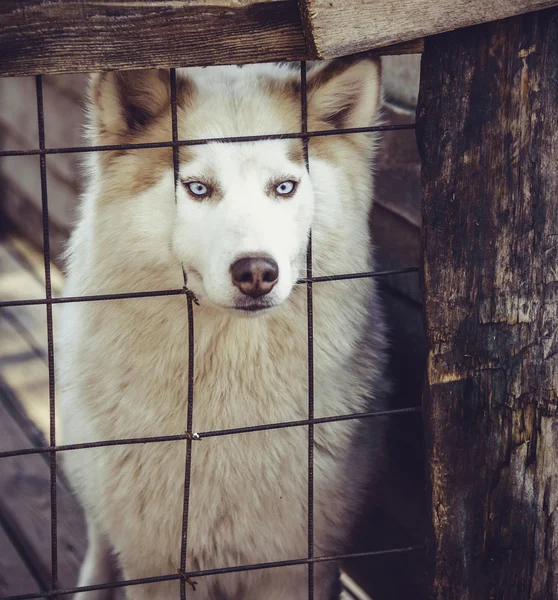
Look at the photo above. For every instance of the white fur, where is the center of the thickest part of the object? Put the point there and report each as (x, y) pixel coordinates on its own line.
(246, 222)
(124, 363)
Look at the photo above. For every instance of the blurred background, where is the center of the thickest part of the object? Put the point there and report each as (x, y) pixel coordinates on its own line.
(395, 516)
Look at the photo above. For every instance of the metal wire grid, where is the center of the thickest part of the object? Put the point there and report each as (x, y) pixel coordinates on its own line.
(182, 575)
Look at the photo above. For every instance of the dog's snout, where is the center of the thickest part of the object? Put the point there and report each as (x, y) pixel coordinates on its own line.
(255, 276)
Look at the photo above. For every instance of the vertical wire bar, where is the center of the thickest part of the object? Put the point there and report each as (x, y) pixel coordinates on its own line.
(174, 117)
(188, 465)
(190, 410)
(50, 336)
(310, 318)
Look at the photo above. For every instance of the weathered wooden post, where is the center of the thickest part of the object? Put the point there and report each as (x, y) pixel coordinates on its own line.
(488, 137)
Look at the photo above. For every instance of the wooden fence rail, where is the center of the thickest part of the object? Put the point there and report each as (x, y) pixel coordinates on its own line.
(71, 36)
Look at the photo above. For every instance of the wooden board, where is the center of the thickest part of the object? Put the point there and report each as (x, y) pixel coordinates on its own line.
(340, 27)
(397, 167)
(487, 132)
(23, 337)
(24, 423)
(14, 575)
(71, 36)
(64, 36)
(25, 502)
(24, 370)
(33, 262)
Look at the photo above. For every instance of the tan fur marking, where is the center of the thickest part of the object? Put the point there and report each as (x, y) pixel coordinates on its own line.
(335, 68)
(125, 103)
(133, 171)
(287, 100)
(296, 151)
(351, 101)
(129, 172)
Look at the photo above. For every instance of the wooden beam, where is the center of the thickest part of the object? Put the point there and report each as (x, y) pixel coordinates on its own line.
(340, 27)
(73, 36)
(15, 577)
(65, 36)
(487, 123)
(25, 502)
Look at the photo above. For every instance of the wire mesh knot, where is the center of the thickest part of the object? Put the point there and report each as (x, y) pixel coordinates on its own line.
(187, 579)
(192, 436)
(190, 294)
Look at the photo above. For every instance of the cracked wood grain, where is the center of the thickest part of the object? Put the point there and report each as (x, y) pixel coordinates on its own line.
(80, 36)
(338, 27)
(488, 138)
(70, 36)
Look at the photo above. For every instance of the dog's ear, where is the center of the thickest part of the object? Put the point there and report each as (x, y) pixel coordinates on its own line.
(126, 101)
(345, 92)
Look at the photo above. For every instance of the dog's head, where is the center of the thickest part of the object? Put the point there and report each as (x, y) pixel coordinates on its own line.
(239, 218)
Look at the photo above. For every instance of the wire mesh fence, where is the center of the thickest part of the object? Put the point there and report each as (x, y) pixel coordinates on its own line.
(183, 575)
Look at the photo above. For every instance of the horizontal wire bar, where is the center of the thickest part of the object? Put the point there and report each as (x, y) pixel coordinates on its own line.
(209, 434)
(219, 571)
(202, 141)
(93, 298)
(363, 275)
(177, 292)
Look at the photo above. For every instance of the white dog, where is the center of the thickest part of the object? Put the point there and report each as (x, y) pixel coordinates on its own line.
(239, 226)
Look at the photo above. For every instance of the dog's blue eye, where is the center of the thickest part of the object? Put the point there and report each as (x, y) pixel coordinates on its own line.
(285, 188)
(198, 188)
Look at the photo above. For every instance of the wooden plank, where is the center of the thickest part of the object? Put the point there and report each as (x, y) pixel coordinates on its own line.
(23, 335)
(71, 36)
(414, 46)
(32, 261)
(397, 168)
(23, 175)
(64, 120)
(65, 36)
(15, 577)
(340, 27)
(395, 218)
(20, 212)
(24, 370)
(25, 503)
(397, 246)
(22, 271)
(487, 123)
(401, 80)
(24, 481)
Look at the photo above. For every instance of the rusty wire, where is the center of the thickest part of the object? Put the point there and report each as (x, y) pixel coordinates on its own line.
(50, 335)
(310, 322)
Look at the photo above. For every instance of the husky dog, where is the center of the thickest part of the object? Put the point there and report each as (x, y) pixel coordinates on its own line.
(238, 225)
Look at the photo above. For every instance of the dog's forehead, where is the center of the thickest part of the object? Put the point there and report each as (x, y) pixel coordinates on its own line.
(239, 76)
(265, 158)
(233, 101)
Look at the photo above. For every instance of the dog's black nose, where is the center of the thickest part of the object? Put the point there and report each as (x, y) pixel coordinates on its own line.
(255, 276)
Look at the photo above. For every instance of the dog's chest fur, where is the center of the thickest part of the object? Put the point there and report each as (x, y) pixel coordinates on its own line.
(248, 492)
